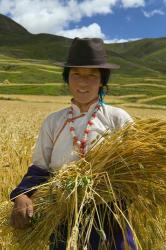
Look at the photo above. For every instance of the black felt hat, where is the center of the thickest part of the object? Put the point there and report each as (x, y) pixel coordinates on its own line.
(87, 53)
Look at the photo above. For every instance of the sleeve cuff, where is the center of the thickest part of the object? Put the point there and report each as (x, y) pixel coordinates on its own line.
(34, 177)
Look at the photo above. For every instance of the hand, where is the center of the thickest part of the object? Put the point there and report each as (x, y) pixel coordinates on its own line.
(22, 212)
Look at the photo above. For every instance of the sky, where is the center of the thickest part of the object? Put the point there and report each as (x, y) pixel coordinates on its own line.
(111, 20)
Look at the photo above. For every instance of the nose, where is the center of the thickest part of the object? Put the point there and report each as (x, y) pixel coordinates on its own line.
(83, 81)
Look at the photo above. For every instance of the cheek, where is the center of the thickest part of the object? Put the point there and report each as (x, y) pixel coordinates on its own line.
(72, 82)
(72, 87)
(95, 87)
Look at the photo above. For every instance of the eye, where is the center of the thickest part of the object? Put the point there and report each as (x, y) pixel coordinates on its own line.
(75, 74)
(92, 75)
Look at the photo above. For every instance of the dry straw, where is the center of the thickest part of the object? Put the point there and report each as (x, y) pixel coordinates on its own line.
(123, 176)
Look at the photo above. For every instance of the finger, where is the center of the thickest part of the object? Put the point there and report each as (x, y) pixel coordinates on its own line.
(20, 218)
(30, 211)
(20, 212)
(20, 222)
(14, 220)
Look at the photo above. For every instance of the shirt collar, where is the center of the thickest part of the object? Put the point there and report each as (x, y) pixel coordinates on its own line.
(76, 109)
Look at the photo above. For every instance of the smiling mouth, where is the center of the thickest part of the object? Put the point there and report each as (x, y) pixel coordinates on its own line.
(82, 91)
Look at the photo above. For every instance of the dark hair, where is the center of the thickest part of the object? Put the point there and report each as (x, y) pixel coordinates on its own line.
(105, 75)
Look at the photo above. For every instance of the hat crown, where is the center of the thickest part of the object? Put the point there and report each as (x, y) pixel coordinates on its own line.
(87, 51)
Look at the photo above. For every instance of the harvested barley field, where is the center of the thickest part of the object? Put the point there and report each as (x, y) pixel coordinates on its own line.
(20, 120)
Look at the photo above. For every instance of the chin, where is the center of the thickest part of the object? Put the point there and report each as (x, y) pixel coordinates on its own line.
(85, 101)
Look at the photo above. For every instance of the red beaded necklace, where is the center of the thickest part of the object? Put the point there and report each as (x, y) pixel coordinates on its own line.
(81, 145)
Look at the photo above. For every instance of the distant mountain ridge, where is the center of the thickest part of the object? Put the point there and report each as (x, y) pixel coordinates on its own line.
(146, 56)
(7, 25)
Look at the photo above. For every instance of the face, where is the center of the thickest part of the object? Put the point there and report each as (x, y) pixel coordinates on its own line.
(84, 84)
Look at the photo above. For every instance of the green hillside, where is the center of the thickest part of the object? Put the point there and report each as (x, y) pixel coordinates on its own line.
(146, 56)
(143, 57)
(28, 71)
(17, 42)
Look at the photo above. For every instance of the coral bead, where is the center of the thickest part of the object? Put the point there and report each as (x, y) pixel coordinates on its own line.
(87, 131)
(90, 123)
(83, 142)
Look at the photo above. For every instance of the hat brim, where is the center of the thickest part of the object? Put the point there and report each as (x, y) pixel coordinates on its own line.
(100, 66)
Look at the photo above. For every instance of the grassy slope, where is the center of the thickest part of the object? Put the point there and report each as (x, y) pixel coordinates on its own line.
(148, 54)
(40, 77)
(28, 72)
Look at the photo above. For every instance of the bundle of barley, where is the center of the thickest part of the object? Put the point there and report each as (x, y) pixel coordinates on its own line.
(125, 171)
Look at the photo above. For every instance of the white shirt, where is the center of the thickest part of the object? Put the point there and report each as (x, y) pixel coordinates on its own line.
(52, 151)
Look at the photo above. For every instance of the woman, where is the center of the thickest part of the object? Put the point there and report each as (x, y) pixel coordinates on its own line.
(68, 134)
